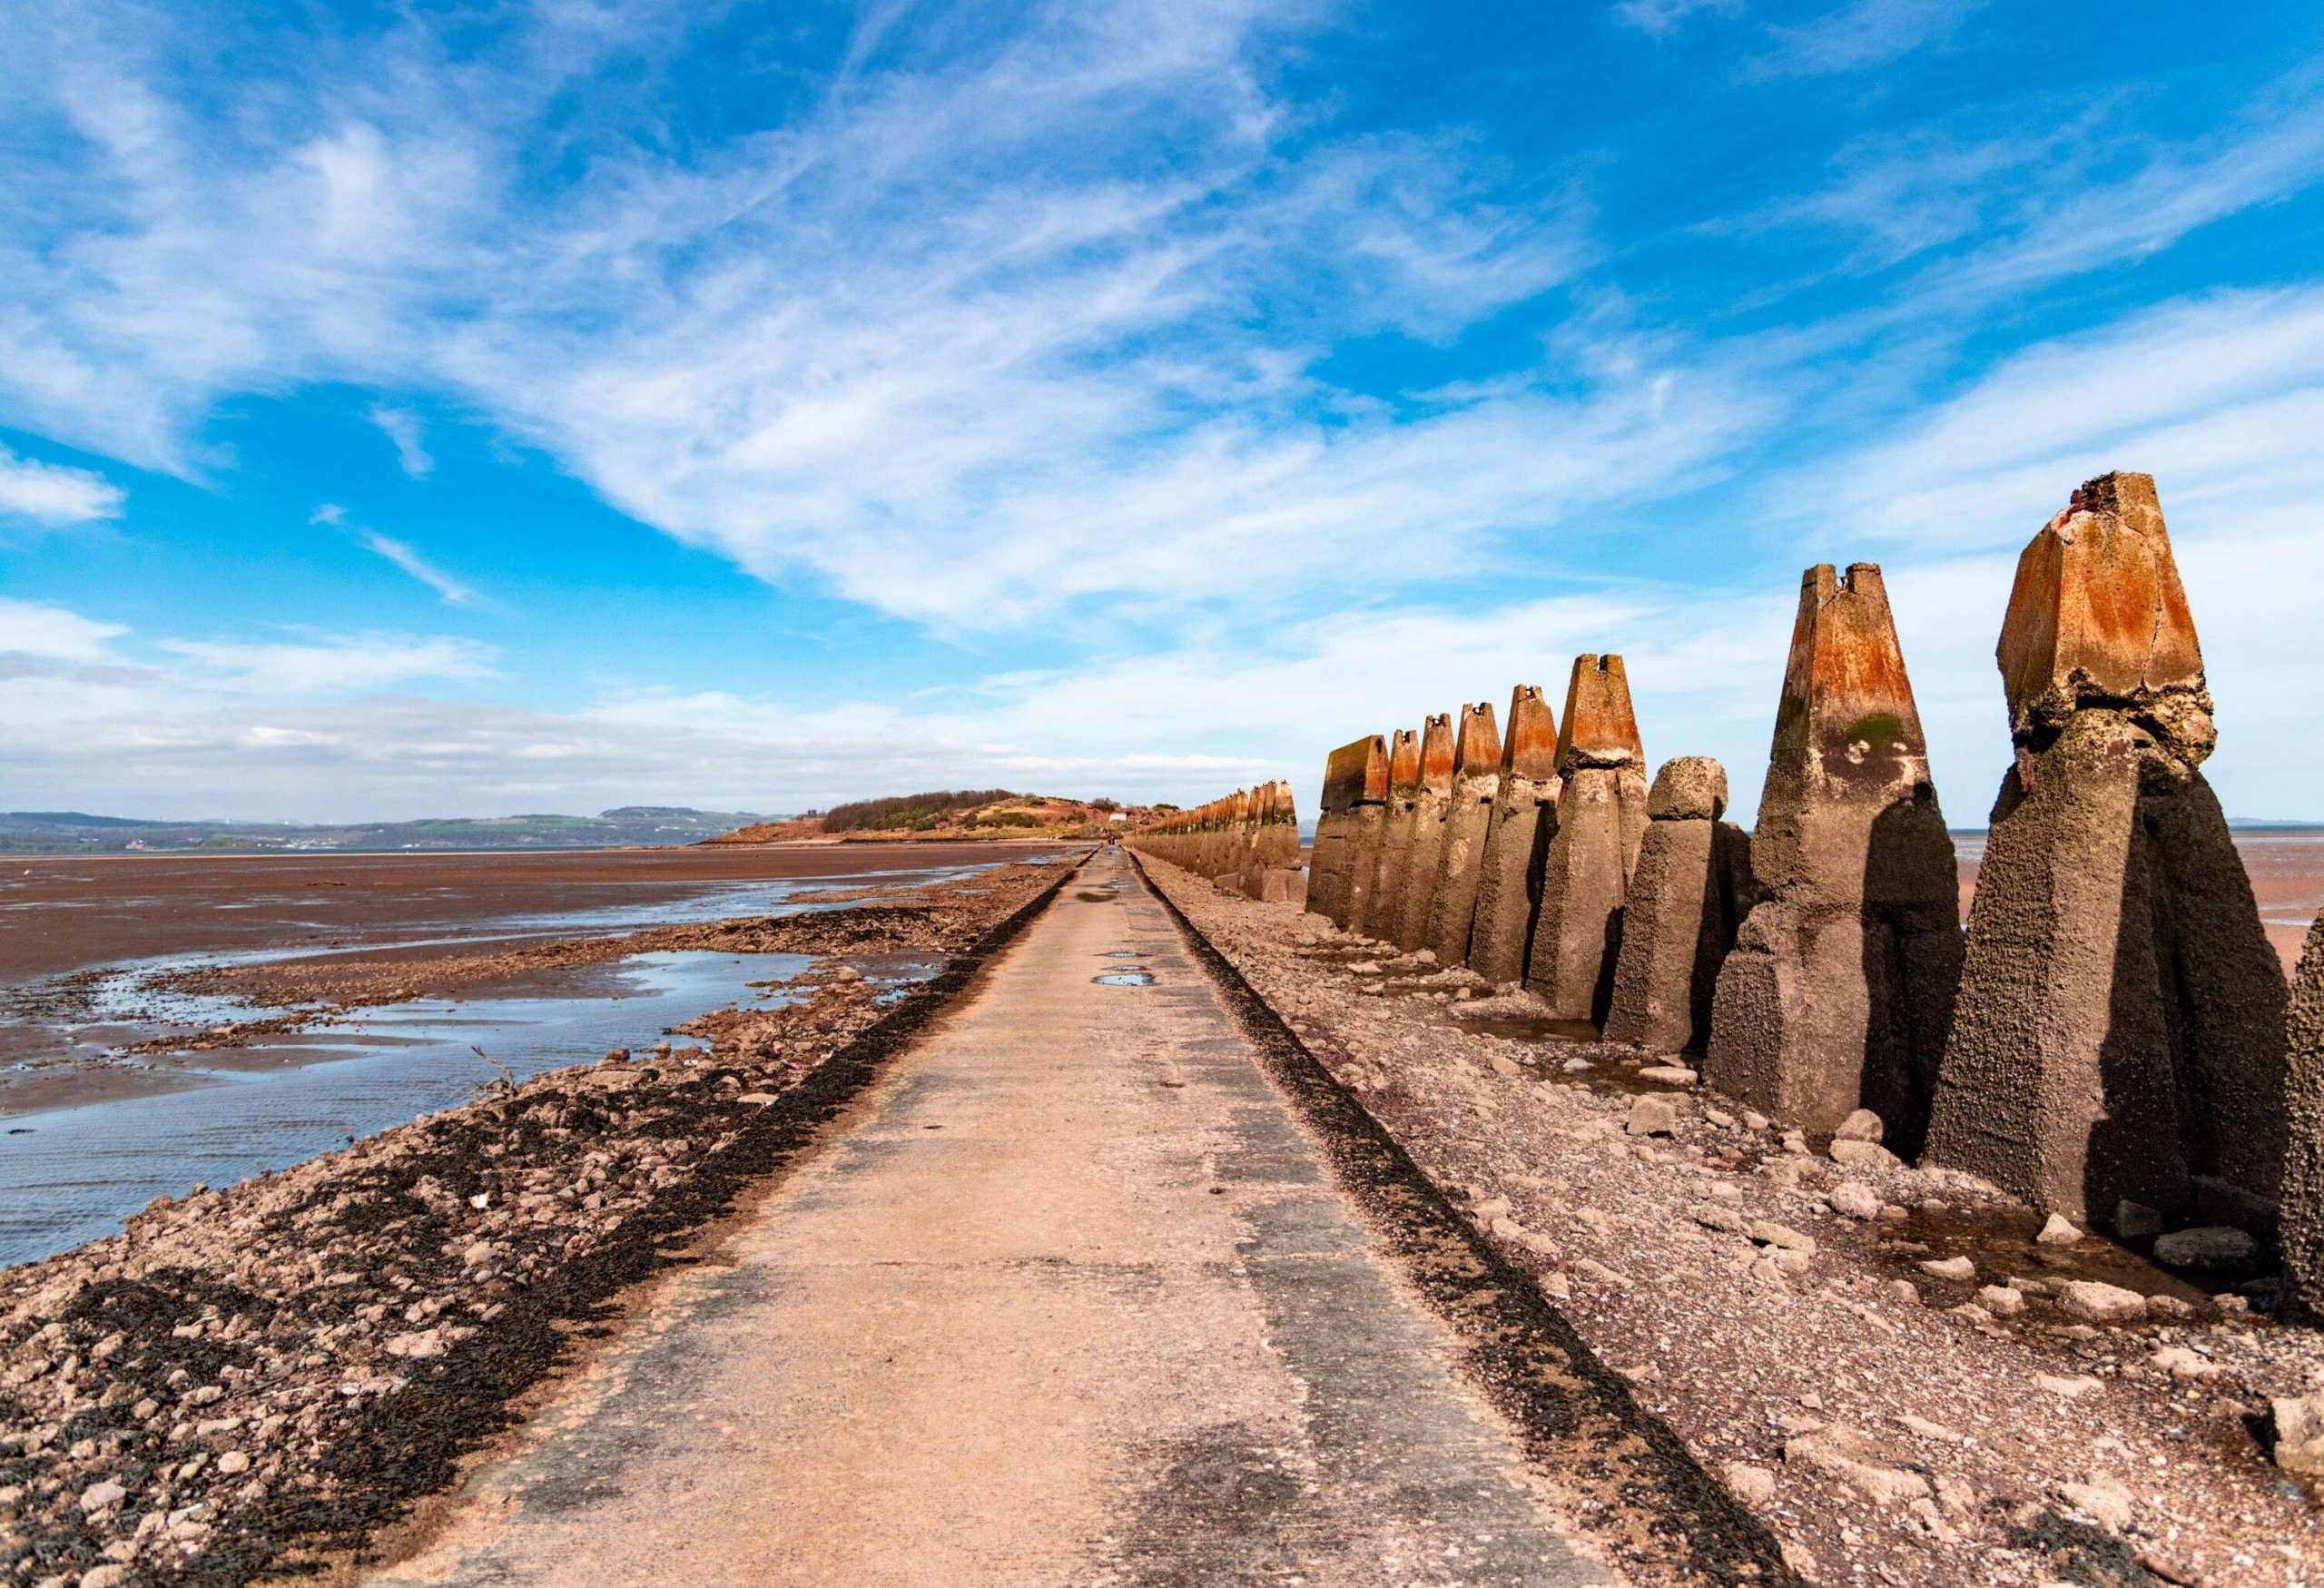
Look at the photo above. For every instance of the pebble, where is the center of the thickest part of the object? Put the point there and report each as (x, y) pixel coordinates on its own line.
(1855, 1200)
(1904, 1293)
(102, 1497)
(1768, 1232)
(2001, 1300)
(1653, 1116)
(2093, 1302)
(1960, 1270)
(2135, 1222)
(234, 1461)
(1668, 1075)
(2300, 1433)
(2102, 1500)
(1754, 1485)
(1865, 1155)
(2215, 1246)
(1755, 1120)
(2073, 1388)
(2056, 1231)
(1864, 1125)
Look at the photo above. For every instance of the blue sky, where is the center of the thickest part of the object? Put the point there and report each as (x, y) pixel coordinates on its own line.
(461, 408)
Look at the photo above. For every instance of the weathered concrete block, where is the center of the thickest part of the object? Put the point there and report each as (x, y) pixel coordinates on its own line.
(1468, 820)
(1274, 845)
(1354, 777)
(1679, 916)
(1601, 822)
(1379, 919)
(2120, 1032)
(1839, 989)
(1524, 815)
(1432, 803)
(2300, 1230)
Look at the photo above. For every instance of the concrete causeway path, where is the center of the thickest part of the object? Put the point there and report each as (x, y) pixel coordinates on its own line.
(1069, 1299)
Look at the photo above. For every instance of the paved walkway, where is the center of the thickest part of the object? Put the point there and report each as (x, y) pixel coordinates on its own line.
(1073, 1301)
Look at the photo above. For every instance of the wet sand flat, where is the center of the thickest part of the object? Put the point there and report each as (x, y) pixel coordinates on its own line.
(59, 913)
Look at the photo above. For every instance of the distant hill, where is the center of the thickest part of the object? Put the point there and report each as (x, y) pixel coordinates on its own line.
(625, 826)
(946, 815)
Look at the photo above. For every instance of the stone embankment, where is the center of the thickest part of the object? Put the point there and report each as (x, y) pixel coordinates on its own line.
(263, 1376)
(1906, 1375)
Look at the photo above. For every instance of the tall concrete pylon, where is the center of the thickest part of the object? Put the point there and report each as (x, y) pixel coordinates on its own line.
(1524, 816)
(1839, 990)
(1347, 830)
(1476, 780)
(1429, 811)
(1678, 920)
(1395, 836)
(1601, 821)
(2120, 1030)
(1327, 866)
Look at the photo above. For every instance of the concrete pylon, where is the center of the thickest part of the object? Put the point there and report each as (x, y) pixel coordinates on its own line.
(1840, 987)
(1434, 802)
(1524, 816)
(1328, 865)
(1347, 830)
(1601, 821)
(1276, 847)
(2302, 1225)
(1468, 820)
(2119, 1031)
(1379, 919)
(1678, 920)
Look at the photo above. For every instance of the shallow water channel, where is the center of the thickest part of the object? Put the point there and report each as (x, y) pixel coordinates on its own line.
(71, 1175)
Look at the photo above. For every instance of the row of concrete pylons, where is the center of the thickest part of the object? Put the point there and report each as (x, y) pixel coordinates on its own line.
(2110, 1031)
(1250, 840)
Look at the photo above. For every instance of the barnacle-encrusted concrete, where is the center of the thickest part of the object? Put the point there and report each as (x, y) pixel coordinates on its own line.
(2120, 1032)
(1379, 917)
(1678, 920)
(1347, 830)
(1840, 987)
(1476, 779)
(1601, 822)
(1524, 815)
(2303, 1189)
(1432, 803)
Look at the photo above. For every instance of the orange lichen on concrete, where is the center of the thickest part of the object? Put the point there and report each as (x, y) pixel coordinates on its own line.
(2097, 611)
(1600, 729)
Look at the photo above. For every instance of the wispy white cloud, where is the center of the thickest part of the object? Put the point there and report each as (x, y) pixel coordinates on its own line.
(1663, 17)
(1860, 34)
(52, 495)
(407, 558)
(331, 663)
(402, 427)
(30, 628)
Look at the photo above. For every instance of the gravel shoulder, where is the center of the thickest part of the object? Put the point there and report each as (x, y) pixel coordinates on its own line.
(256, 1379)
(1979, 1421)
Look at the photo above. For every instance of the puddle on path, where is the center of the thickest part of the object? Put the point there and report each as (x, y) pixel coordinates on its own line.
(73, 1174)
(1124, 979)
